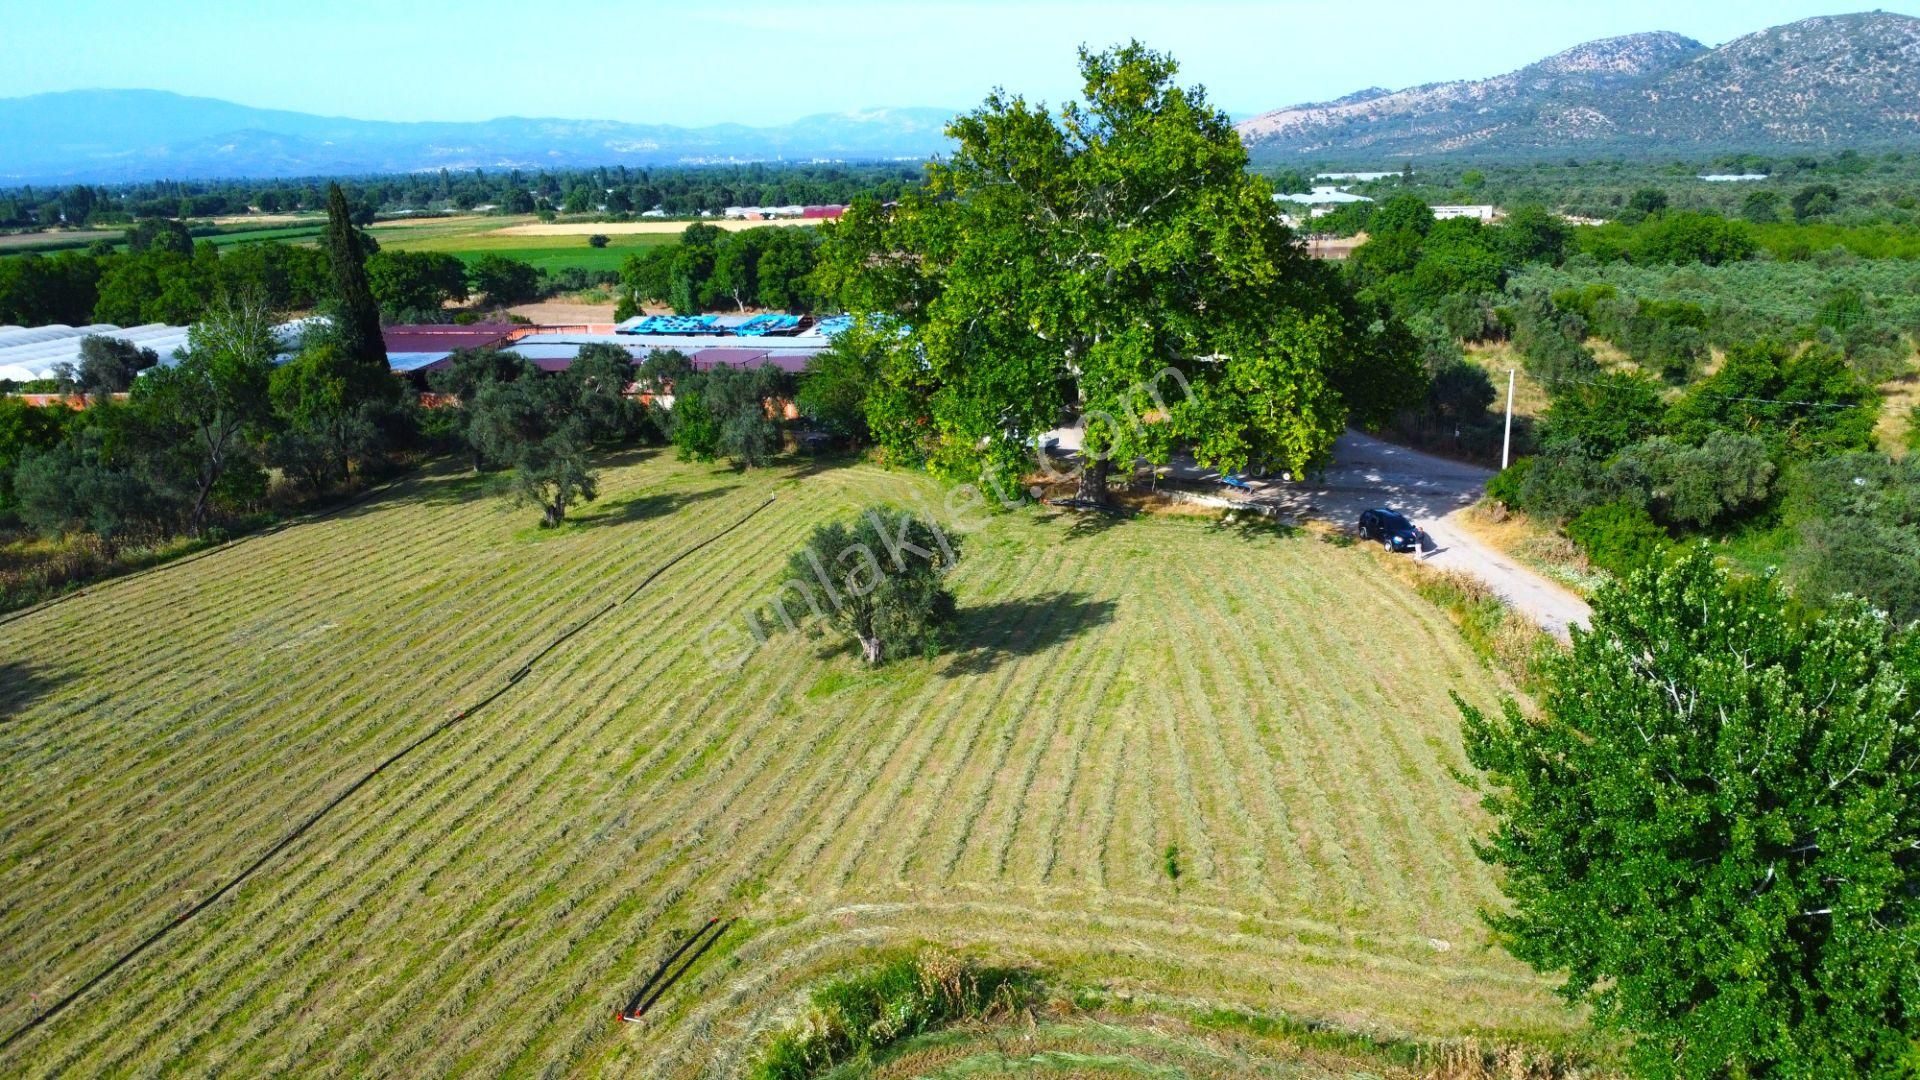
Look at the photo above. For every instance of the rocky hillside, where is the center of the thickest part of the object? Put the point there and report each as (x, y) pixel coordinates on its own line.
(1832, 80)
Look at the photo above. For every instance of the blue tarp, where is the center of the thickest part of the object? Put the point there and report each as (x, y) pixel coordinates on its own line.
(767, 324)
(676, 324)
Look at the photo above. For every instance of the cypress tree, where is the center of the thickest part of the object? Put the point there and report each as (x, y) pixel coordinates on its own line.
(356, 314)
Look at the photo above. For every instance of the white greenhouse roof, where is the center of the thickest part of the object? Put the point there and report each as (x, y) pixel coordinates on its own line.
(34, 353)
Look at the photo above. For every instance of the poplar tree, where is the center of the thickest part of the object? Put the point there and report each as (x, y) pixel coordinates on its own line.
(1713, 829)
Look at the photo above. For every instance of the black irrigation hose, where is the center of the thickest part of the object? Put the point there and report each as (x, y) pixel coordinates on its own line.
(676, 976)
(668, 565)
(315, 818)
(169, 564)
(633, 1005)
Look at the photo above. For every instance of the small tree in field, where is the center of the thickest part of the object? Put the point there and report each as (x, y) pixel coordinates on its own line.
(544, 427)
(881, 581)
(1714, 828)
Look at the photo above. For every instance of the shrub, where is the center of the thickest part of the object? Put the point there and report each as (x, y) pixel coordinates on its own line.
(1506, 484)
(1803, 404)
(1563, 481)
(1618, 536)
(1604, 415)
(859, 1016)
(1460, 391)
(1700, 485)
(597, 240)
(1858, 520)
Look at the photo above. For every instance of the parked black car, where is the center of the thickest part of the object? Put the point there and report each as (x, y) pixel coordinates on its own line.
(1390, 528)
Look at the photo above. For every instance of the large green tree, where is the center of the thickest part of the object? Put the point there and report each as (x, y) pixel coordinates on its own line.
(504, 281)
(321, 428)
(1113, 259)
(416, 281)
(1713, 829)
(203, 411)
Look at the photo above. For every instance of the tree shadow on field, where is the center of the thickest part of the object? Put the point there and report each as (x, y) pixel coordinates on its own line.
(21, 684)
(1082, 524)
(803, 465)
(630, 455)
(642, 507)
(990, 634)
(1251, 526)
(437, 487)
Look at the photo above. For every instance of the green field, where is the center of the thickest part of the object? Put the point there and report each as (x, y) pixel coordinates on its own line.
(472, 238)
(467, 237)
(1273, 705)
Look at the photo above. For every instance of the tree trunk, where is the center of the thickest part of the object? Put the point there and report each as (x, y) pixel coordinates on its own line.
(556, 512)
(198, 516)
(1093, 480)
(870, 649)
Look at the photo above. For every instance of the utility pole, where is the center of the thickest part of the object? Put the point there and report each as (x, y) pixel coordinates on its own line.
(1506, 445)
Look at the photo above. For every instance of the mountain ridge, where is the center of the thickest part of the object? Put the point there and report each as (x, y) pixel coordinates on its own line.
(103, 135)
(1826, 80)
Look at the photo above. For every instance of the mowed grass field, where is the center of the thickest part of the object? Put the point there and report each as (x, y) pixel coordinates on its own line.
(1273, 705)
(470, 238)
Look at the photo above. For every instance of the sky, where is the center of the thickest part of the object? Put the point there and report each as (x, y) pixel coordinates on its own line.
(758, 63)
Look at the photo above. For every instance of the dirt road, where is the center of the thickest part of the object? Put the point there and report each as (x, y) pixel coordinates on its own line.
(1433, 491)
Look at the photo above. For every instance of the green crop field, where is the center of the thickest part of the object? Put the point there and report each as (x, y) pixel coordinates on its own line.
(1271, 707)
(470, 238)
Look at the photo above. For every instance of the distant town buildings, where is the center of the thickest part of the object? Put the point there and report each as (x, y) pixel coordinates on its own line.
(767, 213)
(1481, 213)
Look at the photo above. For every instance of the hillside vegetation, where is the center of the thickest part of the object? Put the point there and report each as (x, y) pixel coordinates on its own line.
(1170, 758)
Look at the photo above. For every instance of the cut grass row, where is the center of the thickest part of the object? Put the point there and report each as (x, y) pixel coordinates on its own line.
(487, 905)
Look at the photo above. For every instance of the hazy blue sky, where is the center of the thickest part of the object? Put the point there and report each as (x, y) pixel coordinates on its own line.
(755, 62)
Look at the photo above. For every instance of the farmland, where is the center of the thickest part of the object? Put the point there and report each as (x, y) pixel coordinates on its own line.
(470, 238)
(553, 247)
(1168, 757)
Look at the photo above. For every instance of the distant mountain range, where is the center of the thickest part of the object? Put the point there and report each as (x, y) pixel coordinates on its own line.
(1844, 80)
(120, 135)
(1833, 81)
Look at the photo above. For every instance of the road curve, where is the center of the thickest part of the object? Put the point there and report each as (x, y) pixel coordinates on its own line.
(1435, 492)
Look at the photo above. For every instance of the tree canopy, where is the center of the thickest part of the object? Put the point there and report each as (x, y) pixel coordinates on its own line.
(881, 581)
(1714, 829)
(1113, 259)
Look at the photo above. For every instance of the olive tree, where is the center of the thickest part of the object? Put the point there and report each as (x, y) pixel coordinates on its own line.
(544, 426)
(881, 580)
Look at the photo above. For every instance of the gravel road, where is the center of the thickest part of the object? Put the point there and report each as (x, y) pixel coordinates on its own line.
(1433, 491)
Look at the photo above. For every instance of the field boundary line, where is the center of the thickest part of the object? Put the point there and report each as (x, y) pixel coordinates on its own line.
(318, 815)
